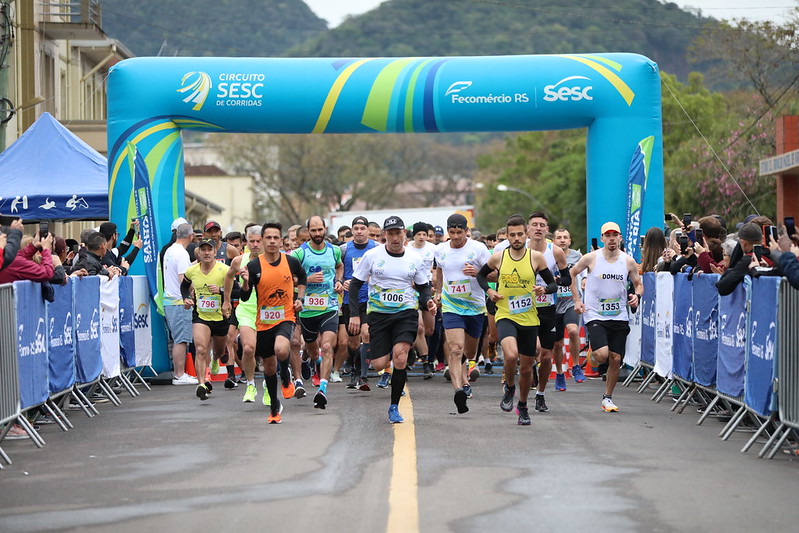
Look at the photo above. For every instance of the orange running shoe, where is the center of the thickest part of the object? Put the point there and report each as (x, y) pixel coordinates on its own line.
(288, 390)
(275, 418)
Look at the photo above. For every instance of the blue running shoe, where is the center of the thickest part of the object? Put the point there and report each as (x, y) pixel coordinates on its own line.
(560, 382)
(468, 390)
(305, 370)
(385, 379)
(394, 416)
(579, 375)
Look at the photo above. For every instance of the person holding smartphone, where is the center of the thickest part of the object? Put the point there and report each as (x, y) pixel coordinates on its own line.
(750, 239)
(10, 238)
(22, 266)
(784, 252)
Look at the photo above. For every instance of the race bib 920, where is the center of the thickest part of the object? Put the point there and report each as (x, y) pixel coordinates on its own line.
(272, 315)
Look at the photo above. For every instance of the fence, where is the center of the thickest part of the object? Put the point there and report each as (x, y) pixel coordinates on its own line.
(738, 354)
(84, 342)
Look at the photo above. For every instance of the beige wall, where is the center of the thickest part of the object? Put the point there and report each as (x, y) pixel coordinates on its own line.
(234, 193)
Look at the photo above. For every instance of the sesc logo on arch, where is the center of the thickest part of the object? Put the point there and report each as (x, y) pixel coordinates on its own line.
(570, 89)
(197, 85)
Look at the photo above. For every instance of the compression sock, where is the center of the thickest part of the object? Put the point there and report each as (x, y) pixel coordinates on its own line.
(398, 379)
(271, 386)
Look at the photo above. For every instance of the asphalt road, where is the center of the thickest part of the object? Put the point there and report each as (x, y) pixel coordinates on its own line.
(166, 461)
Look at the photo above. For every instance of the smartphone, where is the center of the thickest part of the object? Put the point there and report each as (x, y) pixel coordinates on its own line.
(770, 234)
(642, 242)
(75, 248)
(683, 244)
(6, 220)
(699, 237)
(758, 249)
(686, 219)
(594, 244)
(44, 230)
(790, 228)
(668, 218)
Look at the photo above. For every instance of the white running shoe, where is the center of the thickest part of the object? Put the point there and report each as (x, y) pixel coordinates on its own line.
(335, 377)
(185, 379)
(609, 406)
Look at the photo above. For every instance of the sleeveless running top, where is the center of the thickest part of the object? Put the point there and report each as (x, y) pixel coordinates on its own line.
(515, 282)
(606, 289)
(275, 292)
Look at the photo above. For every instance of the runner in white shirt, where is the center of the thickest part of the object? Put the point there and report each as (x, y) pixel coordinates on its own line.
(425, 250)
(463, 305)
(176, 261)
(397, 284)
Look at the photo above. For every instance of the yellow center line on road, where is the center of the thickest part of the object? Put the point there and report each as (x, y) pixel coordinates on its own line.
(403, 494)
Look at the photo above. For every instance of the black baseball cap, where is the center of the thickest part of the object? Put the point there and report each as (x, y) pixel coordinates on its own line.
(360, 220)
(457, 221)
(393, 223)
(209, 242)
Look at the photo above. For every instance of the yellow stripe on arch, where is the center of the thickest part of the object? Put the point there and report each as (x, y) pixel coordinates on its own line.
(623, 88)
(149, 131)
(332, 96)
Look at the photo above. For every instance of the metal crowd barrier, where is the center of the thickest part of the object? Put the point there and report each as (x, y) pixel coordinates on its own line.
(9, 382)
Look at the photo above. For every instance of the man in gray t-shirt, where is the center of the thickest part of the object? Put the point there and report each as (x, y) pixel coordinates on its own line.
(566, 317)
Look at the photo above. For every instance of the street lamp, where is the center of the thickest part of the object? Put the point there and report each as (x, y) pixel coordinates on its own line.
(501, 187)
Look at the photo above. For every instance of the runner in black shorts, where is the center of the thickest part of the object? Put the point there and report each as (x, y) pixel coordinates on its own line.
(567, 318)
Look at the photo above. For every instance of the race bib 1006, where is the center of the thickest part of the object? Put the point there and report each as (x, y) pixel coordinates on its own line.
(272, 315)
(392, 297)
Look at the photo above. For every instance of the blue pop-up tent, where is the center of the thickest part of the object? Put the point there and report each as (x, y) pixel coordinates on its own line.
(51, 174)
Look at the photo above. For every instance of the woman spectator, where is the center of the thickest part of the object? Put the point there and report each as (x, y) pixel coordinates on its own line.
(23, 267)
(653, 247)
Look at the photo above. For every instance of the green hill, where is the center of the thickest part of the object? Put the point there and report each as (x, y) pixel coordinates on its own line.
(660, 31)
(240, 28)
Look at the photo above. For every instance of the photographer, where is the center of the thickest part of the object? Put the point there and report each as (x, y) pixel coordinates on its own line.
(9, 242)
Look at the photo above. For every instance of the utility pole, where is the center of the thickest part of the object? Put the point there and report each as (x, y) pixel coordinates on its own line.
(6, 104)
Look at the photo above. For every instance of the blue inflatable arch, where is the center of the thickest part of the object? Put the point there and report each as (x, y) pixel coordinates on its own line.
(616, 96)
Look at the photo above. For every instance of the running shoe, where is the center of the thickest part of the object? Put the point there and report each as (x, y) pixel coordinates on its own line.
(305, 370)
(507, 399)
(249, 394)
(209, 386)
(214, 366)
(579, 375)
(230, 384)
(468, 390)
(185, 379)
(384, 380)
(489, 368)
(394, 416)
(446, 374)
(540, 404)
(274, 417)
(335, 377)
(608, 406)
(315, 379)
(524, 415)
(427, 370)
(460, 401)
(319, 400)
(299, 390)
(363, 385)
(353, 381)
(474, 372)
(202, 392)
(560, 382)
(267, 399)
(439, 367)
(288, 389)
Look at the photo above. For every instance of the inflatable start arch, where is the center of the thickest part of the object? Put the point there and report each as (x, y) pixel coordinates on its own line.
(616, 96)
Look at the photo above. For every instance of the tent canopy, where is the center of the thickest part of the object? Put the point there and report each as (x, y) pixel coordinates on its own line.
(51, 174)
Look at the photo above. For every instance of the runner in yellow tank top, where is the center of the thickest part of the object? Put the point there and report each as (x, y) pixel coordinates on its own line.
(516, 317)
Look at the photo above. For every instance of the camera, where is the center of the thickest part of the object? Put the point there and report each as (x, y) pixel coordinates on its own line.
(44, 230)
(683, 244)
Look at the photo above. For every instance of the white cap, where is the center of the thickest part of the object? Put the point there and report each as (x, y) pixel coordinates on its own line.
(177, 222)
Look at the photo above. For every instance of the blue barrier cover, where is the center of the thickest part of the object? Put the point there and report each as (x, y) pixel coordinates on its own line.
(762, 353)
(127, 336)
(683, 338)
(648, 319)
(61, 345)
(88, 362)
(31, 343)
(706, 328)
(732, 348)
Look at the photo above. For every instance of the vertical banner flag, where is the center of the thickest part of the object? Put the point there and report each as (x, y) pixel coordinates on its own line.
(732, 348)
(127, 336)
(31, 343)
(109, 321)
(632, 350)
(706, 328)
(647, 310)
(683, 340)
(141, 321)
(763, 342)
(664, 324)
(61, 346)
(636, 189)
(86, 298)
(146, 215)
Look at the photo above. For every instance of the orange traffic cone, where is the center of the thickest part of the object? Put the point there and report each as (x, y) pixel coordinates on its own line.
(190, 365)
(589, 371)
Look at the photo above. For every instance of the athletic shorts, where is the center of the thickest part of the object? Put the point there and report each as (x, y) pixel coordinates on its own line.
(610, 333)
(344, 317)
(246, 313)
(265, 340)
(219, 328)
(562, 319)
(312, 326)
(547, 329)
(471, 324)
(491, 306)
(233, 319)
(525, 335)
(178, 319)
(387, 329)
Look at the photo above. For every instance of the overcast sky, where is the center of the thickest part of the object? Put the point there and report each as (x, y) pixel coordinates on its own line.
(334, 11)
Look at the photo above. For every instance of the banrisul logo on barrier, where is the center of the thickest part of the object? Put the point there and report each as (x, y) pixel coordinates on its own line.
(572, 88)
(198, 85)
(454, 93)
